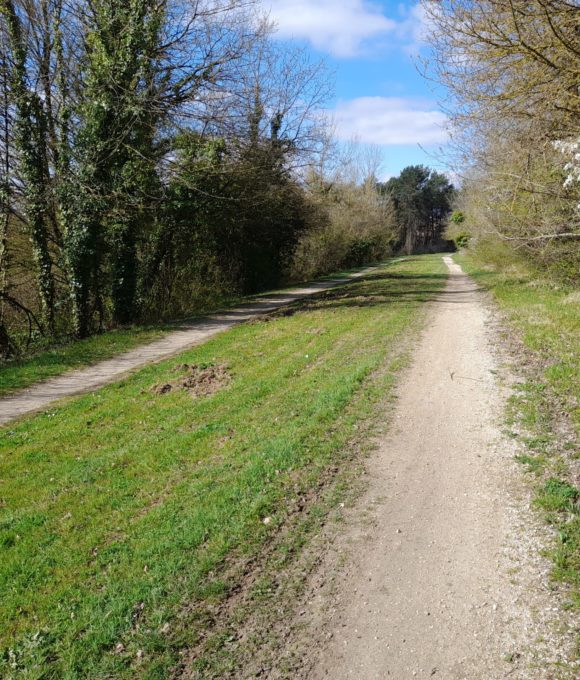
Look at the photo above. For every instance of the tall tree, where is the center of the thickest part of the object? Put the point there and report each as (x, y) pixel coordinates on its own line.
(509, 59)
(149, 65)
(512, 72)
(5, 344)
(422, 199)
(31, 148)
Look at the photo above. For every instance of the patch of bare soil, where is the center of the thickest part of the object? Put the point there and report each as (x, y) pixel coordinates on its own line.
(199, 381)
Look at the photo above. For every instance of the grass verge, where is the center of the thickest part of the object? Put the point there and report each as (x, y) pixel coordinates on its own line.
(123, 511)
(545, 410)
(58, 358)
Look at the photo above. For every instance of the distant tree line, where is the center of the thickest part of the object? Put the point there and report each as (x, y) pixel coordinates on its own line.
(422, 201)
(512, 73)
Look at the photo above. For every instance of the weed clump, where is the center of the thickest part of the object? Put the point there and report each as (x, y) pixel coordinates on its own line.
(558, 496)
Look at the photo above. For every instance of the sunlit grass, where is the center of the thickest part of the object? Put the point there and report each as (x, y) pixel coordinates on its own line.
(66, 356)
(119, 509)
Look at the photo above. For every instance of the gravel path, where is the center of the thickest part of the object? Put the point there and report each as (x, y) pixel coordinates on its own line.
(438, 571)
(40, 395)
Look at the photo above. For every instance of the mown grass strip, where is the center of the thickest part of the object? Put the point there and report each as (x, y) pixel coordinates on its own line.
(60, 357)
(545, 411)
(120, 508)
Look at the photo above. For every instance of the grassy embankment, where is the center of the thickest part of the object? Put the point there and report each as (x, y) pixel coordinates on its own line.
(545, 411)
(127, 516)
(66, 355)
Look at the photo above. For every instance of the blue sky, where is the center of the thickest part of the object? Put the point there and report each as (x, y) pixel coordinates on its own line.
(372, 47)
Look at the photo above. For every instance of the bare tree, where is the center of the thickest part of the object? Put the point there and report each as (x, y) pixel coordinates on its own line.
(512, 72)
(509, 59)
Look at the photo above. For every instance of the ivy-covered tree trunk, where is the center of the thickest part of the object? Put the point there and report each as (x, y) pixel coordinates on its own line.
(31, 142)
(124, 271)
(83, 259)
(114, 149)
(31, 147)
(137, 182)
(5, 345)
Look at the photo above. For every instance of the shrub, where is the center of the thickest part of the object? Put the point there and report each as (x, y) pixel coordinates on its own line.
(457, 217)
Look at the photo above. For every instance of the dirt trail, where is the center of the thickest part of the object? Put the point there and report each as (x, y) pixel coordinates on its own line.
(442, 576)
(40, 395)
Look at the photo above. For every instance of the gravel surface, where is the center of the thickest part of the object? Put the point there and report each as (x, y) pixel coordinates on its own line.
(436, 572)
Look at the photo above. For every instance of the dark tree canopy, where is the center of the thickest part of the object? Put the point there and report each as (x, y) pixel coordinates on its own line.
(422, 198)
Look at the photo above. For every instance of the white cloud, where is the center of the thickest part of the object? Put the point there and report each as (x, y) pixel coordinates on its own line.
(340, 28)
(415, 29)
(390, 121)
(348, 27)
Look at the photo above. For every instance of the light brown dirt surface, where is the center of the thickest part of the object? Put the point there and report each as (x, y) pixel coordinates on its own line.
(436, 571)
(40, 395)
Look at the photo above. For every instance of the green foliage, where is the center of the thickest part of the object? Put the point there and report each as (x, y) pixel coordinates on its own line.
(159, 170)
(145, 196)
(530, 216)
(534, 463)
(457, 217)
(515, 111)
(31, 146)
(462, 239)
(566, 554)
(350, 224)
(557, 496)
(207, 248)
(114, 157)
(422, 199)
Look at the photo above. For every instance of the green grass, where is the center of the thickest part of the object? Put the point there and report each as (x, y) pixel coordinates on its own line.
(121, 511)
(558, 499)
(557, 496)
(61, 358)
(546, 406)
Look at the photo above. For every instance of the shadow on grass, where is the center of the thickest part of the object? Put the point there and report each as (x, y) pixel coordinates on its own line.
(375, 289)
(378, 290)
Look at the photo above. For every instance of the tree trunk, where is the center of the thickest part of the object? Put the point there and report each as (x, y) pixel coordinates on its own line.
(31, 146)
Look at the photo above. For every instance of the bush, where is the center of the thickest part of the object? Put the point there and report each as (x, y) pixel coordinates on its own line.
(457, 217)
(351, 225)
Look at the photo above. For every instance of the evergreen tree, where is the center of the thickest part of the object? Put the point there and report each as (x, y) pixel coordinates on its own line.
(422, 200)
